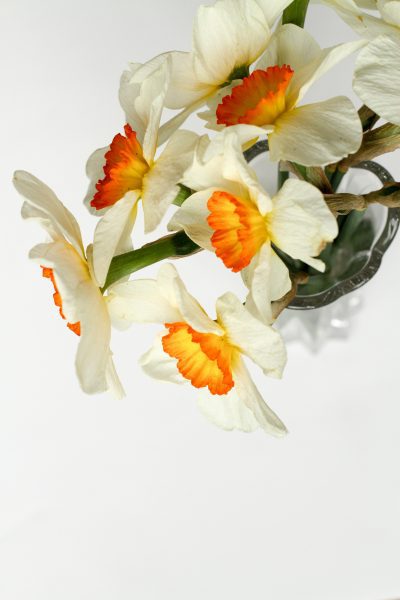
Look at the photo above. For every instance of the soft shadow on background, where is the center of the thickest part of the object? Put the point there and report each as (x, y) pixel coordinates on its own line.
(142, 498)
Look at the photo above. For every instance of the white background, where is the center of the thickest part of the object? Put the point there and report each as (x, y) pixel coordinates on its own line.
(143, 498)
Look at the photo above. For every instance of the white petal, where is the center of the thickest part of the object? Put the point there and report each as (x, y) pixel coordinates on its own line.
(159, 365)
(44, 199)
(317, 134)
(227, 35)
(93, 355)
(168, 128)
(251, 397)
(390, 11)
(185, 88)
(192, 218)
(174, 290)
(301, 222)
(258, 341)
(140, 301)
(289, 45)
(70, 271)
(227, 412)
(160, 183)
(267, 279)
(272, 9)
(114, 384)
(366, 25)
(95, 172)
(142, 95)
(377, 77)
(114, 226)
(310, 72)
(246, 134)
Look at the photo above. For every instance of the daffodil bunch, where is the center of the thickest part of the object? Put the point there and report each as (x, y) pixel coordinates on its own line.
(249, 70)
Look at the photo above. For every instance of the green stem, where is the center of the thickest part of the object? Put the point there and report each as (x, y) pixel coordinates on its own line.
(336, 178)
(174, 245)
(282, 176)
(295, 13)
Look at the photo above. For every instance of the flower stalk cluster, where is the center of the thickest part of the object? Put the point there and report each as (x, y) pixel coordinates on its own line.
(250, 68)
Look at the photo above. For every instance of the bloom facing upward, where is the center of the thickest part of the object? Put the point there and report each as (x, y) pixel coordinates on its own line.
(266, 102)
(227, 38)
(233, 216)
(76, 294)
(128, 169)
(208, 354)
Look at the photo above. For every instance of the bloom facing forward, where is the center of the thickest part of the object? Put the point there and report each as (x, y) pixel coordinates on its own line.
(128, 170)
(208, 354)
(266, 102)
(233, 216)
(76, 294)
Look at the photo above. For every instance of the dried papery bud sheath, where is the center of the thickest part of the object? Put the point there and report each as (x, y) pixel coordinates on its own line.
(314, 175)
(279, 306)
(343, 204)
(378, 141)
(368, 117)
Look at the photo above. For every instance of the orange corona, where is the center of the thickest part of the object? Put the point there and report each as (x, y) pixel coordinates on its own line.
(205, 359)
(239, 229)
(258, 100)
(49, 274)
(124, 170)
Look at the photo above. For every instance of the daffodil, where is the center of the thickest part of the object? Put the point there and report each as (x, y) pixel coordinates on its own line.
(76, 293)
(232, 215)
(207, 353)
(266, 102)
(227, 38)
(128, 169)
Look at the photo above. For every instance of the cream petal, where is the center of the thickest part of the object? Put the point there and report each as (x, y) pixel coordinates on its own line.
(366, 25)
(258, 341)
(267, 279)
(44, 199)
(301, 223)
(95, 172)
(113, 226)
(159, 365)
(114, 384)
(289, 45)
(70, 271)
(142, 95)
(390, 11)
(173, 289)
(192, 313)
(251, 397)
(227, 412)
(227, 35)
(304, 77)
(272, 9)
(317, 134)
(185, 89)
(192, 218)
(160, 183)
(93, 355)
(377, 77)
(140, 301)
(168, 128)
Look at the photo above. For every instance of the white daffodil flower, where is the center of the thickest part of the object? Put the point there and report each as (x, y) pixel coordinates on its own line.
(267, 101)
(208, 354)
(232, 215)
(128, 170)
(76, 293)
(227, 38)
